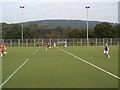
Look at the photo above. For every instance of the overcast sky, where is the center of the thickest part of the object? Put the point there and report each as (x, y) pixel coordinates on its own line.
(100, 10)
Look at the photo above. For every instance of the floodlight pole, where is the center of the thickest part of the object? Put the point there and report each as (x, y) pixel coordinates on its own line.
(87, 7)
(22, 7)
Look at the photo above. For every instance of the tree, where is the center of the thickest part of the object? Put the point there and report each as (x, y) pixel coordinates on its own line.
(114, 32)
(14, 32)
(66, 32)
(103, 30)
(55, 35)
(91, 33)
(83, 34)
(28, 33)
(5, 28)
(74, 33)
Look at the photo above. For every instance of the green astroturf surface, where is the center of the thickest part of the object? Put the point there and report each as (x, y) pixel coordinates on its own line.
(56, 69)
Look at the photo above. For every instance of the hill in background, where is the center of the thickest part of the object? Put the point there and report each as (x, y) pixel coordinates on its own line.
(65, 23)
(59, 29)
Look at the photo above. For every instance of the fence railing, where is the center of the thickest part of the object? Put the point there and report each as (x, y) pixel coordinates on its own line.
(60, 41)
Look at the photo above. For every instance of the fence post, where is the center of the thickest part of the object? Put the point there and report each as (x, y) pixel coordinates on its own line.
(50, 42)
(118, 43)
(66, 41)
(111, 41)
(73, 41)
(42, 42)
(77, 41)
(58, 41)
(96, 41)
(103, 41)
(11, 42)
(3, 41)
(19, 42)
(107, 40)
(34, 42)
(26, 42)
(81, 42)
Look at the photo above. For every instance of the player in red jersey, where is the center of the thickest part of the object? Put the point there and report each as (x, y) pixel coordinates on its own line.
(47, 45)
(3, 49)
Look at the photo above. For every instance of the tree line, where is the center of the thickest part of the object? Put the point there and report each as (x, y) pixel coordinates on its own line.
(101, 30)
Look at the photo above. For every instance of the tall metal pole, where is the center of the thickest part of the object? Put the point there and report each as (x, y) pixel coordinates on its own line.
(87, 7)
(22, 7)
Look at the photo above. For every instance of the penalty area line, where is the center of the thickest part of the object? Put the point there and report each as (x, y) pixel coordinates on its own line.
(115, 76)
(13, 73)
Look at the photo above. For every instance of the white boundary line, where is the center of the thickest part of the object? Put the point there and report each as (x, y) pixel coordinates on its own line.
(90, 64)
(13, 74)
(36, 51)
(16, 71)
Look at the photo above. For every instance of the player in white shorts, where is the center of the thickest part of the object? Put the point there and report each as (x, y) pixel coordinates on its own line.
(65, 45)
(106, 50)
(54, 44)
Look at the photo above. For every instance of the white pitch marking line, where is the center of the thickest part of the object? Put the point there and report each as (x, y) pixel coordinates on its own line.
(35, 51)
(13, 74)
(90, 64)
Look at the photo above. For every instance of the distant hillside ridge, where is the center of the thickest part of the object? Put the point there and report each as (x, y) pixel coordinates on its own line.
(65, 23)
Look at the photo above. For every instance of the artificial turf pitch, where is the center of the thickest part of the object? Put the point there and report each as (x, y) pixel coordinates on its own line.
(56, 69)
